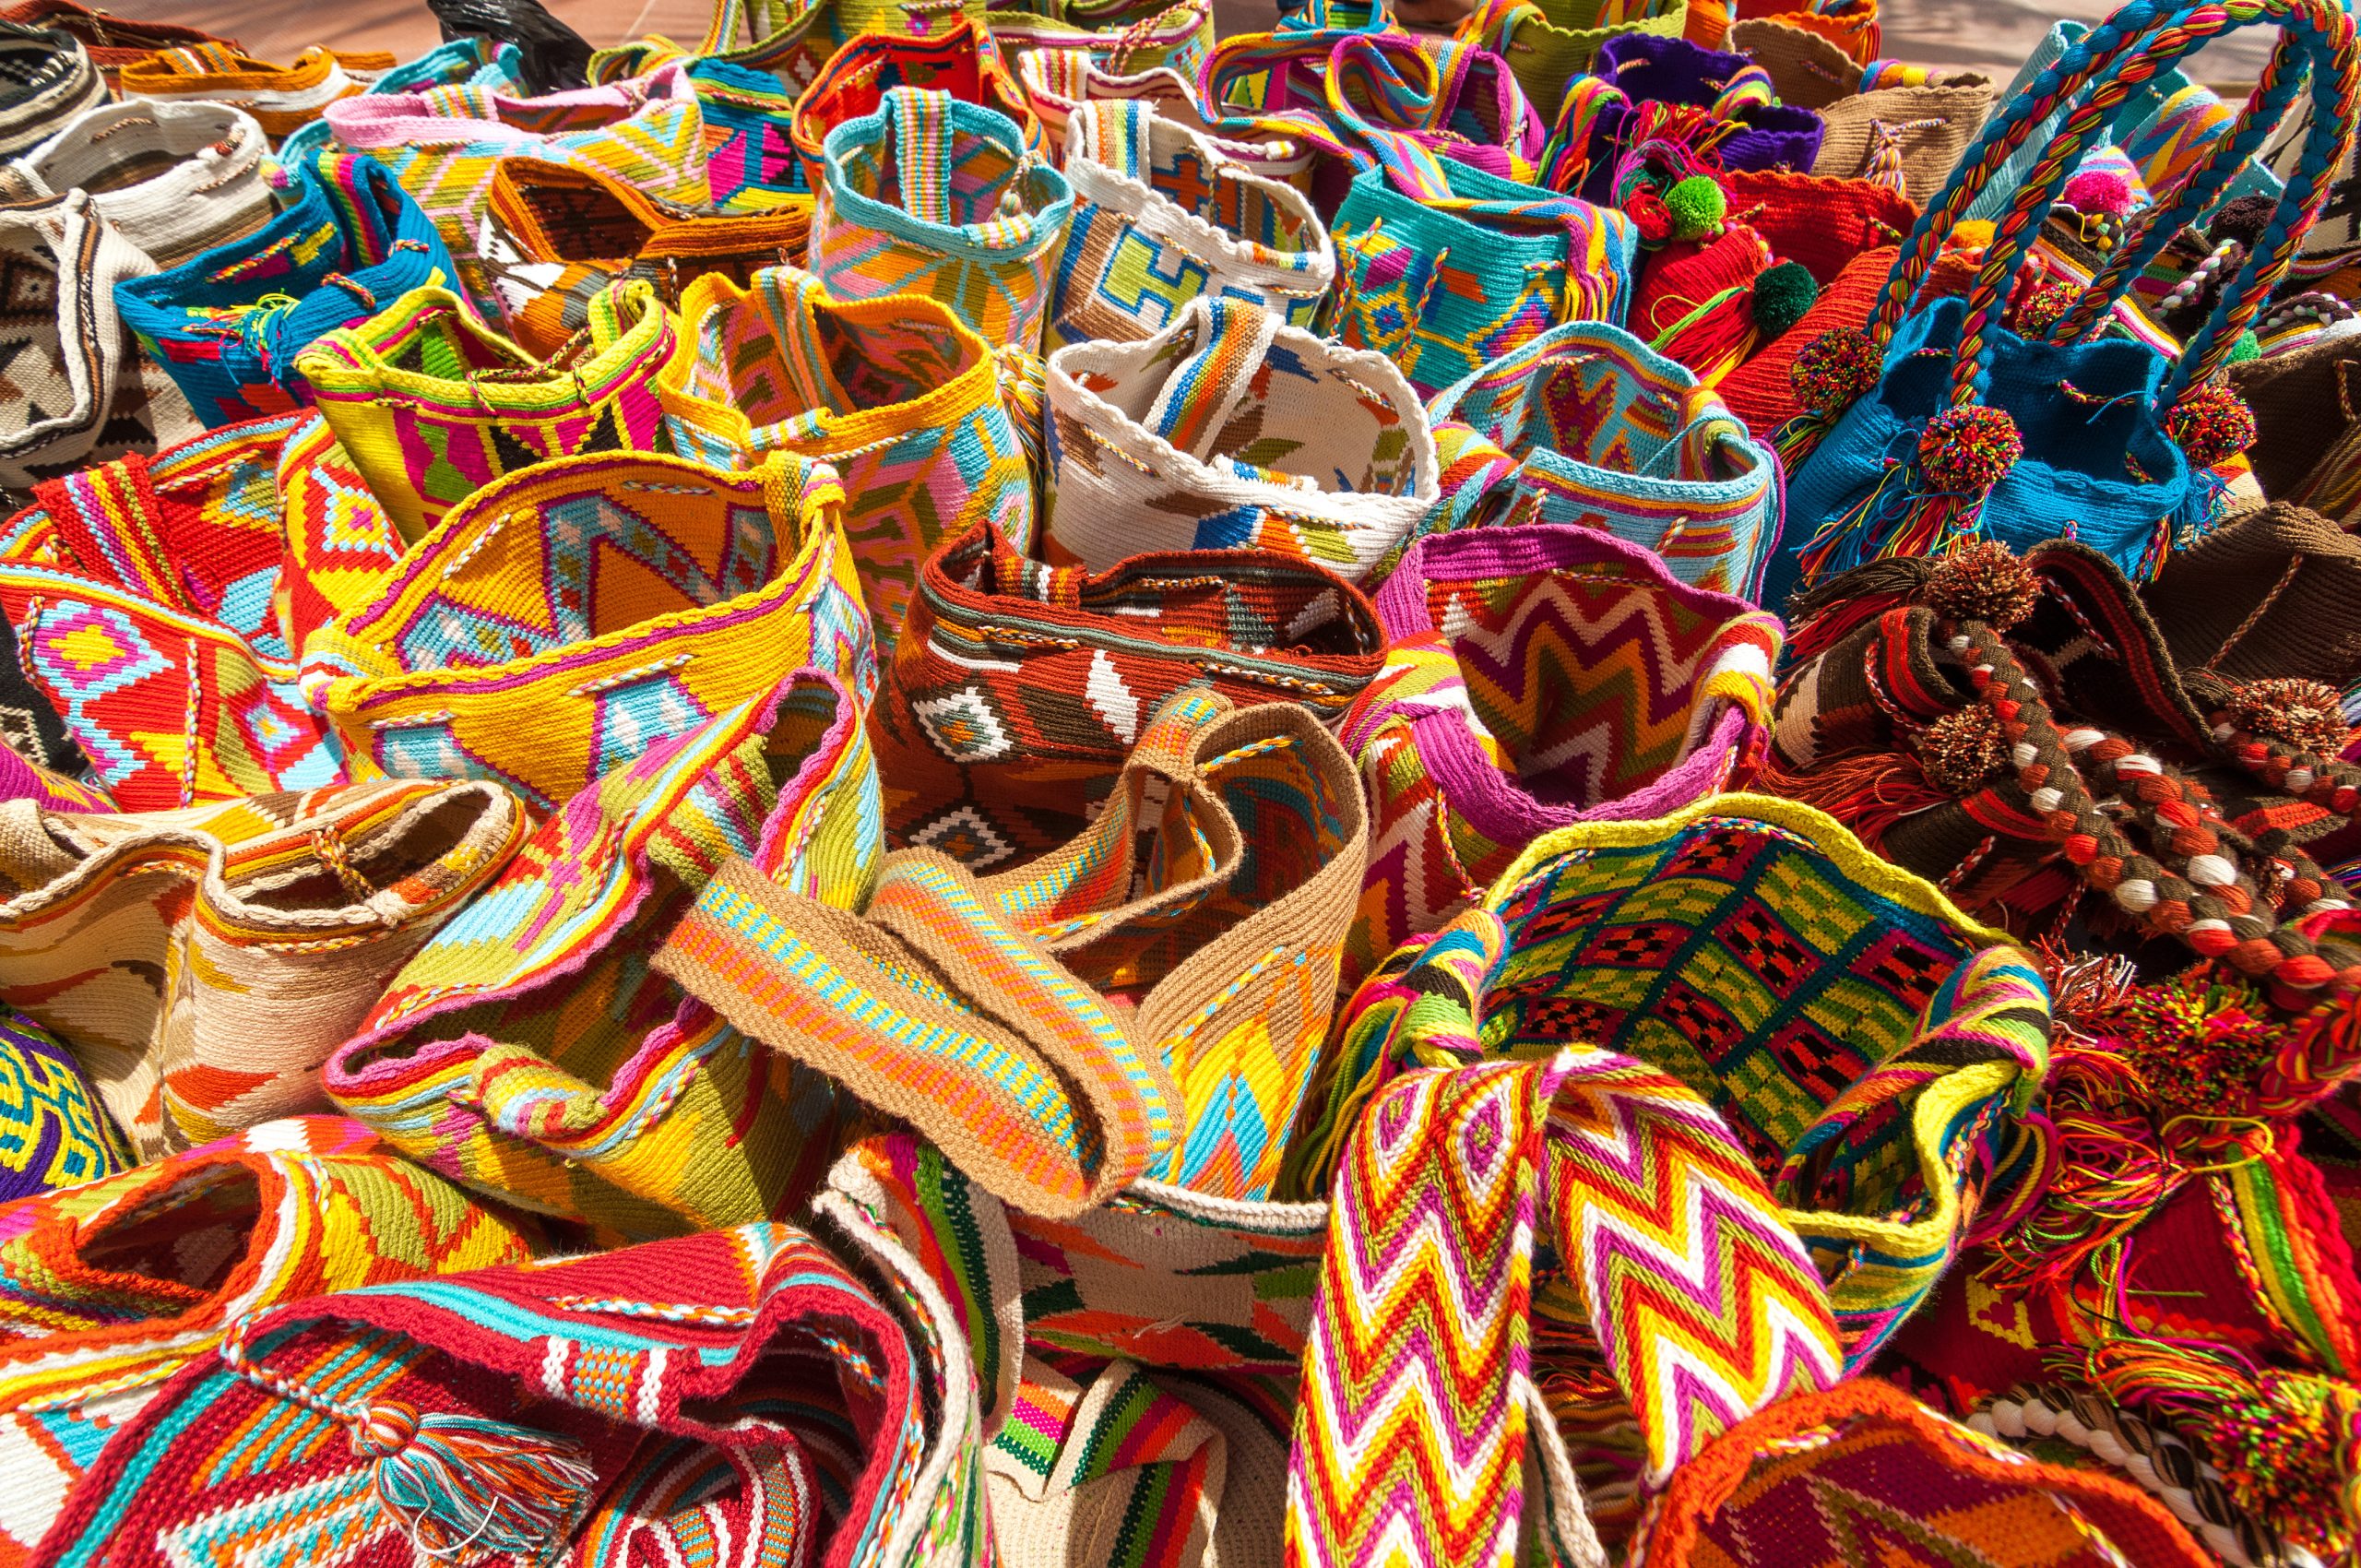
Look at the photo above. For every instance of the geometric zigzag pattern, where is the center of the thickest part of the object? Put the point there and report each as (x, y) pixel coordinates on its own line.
(1412, 1432)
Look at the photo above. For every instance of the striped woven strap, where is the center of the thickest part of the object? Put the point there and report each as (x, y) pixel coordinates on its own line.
(1200, 394)
(1419, 1412)
(923, 151)
(933, 1008)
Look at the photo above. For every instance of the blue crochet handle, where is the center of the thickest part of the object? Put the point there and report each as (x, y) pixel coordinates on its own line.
(2135, 43)
(2320, 34)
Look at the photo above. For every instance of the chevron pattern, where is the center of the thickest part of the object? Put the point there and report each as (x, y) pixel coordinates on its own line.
(1544, 676)
(1705, 1305)
(1412, 1433)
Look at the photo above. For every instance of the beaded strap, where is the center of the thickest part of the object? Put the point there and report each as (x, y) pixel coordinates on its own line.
(2194, 887)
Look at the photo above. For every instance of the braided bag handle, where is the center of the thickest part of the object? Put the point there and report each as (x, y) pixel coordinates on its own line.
(2131, 47)
(2335, 78)
(2193, 888)
(1372, 97)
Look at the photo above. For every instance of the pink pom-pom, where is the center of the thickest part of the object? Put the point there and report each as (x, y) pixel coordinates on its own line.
(2099, 191)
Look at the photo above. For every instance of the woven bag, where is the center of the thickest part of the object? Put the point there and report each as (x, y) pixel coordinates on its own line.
(1063, 38)
(2018, 730)
(110, 41)
(1132, 1369)
(959, 58)
(617, 599)
(55, 1130)
(79, 391)
(556, 237)
(930, 195)
(141, 593)
(528, 1052)
(1229, 431)
(739, 1396)
(1900, 125)
(2271, 593)
(431, 407)
(466, 61)
(1551, 45)
(2020, 436)
(1452, 277)
(1534, 677)
(1615, 437)
(1018, 689)
(445, 144)
(1712, 1414)
(51, 75)
(228, 323)
(1871, 1047)
(1057, 92)
(1715, 105)
(1161, 219)
(2307, 449)
(174, 179)
(1852, 25)
(109, 1289)
(282, 99)
(896, 394)
(1166, 977)
(273, 923)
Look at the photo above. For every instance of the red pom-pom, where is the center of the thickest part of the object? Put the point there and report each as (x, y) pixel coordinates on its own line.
(2211, 424)
(1966, 450)
(1836, 368)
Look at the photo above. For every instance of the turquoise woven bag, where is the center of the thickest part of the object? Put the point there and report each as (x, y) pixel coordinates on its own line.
(932, 195)
(1448, 280)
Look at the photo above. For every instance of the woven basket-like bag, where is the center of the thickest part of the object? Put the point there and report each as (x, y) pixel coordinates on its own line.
(930, 195)
(521, 598)
(1160, 218)
(1612, 436)
(1228, 431)
(896, 394)
(1018, 688)
(431, 407)
(1537, 676)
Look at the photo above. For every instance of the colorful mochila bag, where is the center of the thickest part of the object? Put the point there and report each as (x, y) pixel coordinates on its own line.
(899, 395)
(175, 178)
(1057, 92)
(1549, 46)
(1872, 1048)
(959, 58)
(431, 407)
(1537, 676)
(1608, 434)
(1682, 1355)
(930, 195)
(205, 963)
(1167, 977)
(141, 593)
(1445, 269)
(55, 1130)
(109, 1289)
(1161, 217)
(739, 1390)
(82, 390)
(618, 599)
(556, 237)
(1018, 689)
(528, 1052)
(227, 325)
(1229, 431)
(282, 99)
(1942, 423)
(1062, 39)
(444, 146)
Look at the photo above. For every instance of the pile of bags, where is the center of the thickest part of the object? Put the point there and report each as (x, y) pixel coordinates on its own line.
(946, 782)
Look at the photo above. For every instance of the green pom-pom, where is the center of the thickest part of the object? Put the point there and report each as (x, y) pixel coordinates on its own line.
(2246, 348)
(1782, 292)
(1697, 205)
